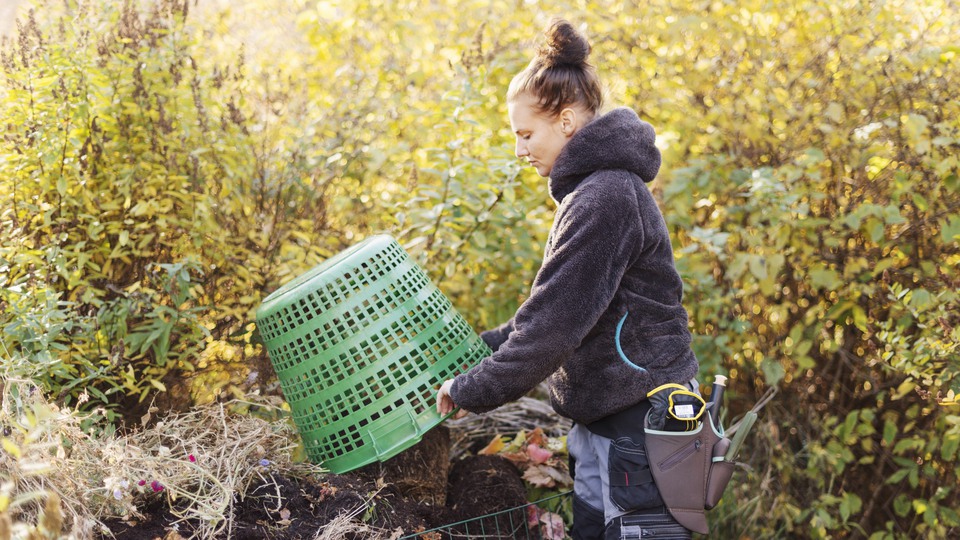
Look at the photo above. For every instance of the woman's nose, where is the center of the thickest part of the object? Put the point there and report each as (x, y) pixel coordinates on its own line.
(521, 149)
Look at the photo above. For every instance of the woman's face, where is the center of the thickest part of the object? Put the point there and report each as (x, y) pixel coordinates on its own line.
(540, 136)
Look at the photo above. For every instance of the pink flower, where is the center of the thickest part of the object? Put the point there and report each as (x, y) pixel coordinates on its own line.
(157, 486)
(192, 459)
(142, 483)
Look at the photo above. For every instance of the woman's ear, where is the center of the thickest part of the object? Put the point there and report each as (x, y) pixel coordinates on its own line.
(568, 122)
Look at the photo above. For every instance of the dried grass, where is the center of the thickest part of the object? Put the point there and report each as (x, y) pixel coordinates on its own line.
(346, 525)
(100, 477)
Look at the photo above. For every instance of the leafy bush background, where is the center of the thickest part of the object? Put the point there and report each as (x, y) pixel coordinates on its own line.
(166, 165)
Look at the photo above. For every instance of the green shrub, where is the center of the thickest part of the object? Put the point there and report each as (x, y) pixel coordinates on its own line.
(157, 181)
(121, 156)
(812, 185)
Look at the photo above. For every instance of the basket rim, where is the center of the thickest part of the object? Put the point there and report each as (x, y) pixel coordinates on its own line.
(273, 301)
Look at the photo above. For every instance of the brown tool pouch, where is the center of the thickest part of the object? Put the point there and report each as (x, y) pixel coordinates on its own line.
(719, 476)
(685, 470)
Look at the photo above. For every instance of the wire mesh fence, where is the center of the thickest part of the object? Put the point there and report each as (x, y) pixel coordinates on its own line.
(545, 519)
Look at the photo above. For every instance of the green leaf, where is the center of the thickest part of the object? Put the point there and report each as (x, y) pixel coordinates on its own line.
(875, 230)
(920, 202)
(758, 268)
(850, 504)
(902, 505)
(948, 448)
(897, 476)
(882, 265)
(889, 431)
(908, 444)
(849, 423)
(950, 228)
(772, 370)
(891, 214)
(824, 278)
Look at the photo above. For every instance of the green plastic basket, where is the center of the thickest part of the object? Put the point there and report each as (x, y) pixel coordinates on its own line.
(360, 344)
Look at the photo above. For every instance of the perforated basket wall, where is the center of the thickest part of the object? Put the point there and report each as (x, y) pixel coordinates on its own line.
(360, 344)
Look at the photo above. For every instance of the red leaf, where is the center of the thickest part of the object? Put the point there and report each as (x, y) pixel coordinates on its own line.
(533, 516)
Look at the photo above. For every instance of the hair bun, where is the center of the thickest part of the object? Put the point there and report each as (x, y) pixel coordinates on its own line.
(563, 45)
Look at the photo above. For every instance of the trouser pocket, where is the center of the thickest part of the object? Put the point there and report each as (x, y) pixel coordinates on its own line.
(587, 521)
(631, 482)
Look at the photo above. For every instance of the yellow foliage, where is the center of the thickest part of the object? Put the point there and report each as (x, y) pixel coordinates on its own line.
(159, 177)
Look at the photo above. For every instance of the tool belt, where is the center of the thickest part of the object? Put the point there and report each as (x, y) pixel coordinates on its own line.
(680, 459)
(686, 452)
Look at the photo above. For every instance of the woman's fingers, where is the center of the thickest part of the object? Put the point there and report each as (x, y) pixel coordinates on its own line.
(445, 404)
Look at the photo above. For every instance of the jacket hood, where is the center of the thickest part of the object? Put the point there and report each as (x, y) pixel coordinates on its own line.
(616, 140)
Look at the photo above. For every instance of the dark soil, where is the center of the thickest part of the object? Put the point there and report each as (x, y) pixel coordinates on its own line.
(293, 509)
(485, 485)
(420, 472)
(406, 492)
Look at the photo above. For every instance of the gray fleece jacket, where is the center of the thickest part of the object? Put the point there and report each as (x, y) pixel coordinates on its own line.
(603, 319)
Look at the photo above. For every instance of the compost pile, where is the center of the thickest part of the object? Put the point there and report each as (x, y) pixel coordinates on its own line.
(230, 470)
(418, 490)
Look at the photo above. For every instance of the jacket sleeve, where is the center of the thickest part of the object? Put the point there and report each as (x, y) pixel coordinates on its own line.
(593, 238)
(495, 337)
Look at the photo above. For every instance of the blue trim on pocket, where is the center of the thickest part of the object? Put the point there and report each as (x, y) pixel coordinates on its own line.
(620, 349)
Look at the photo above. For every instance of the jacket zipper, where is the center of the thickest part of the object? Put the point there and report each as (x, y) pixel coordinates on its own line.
(680, 455)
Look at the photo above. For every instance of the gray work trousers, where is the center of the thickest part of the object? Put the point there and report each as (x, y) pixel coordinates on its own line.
(614, 499)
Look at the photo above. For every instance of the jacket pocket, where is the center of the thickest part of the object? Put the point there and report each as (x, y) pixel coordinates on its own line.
(631, 481)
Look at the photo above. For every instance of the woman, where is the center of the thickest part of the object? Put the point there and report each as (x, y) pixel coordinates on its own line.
(603, 320)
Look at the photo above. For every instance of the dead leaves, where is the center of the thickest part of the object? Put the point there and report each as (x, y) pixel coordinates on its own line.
(550, 524)
(535, 455)
(544, 475)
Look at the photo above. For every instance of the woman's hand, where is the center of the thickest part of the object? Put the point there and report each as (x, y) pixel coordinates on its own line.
(445, 404)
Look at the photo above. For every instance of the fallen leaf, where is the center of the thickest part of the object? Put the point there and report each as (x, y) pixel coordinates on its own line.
(561, 476)
(518, 442)
(537, 477)
(553, 528)
(536, 437)
(494, 447)
(520, 459)
(546, 476)
(557, 444)
(533, 516)
(538, 455)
